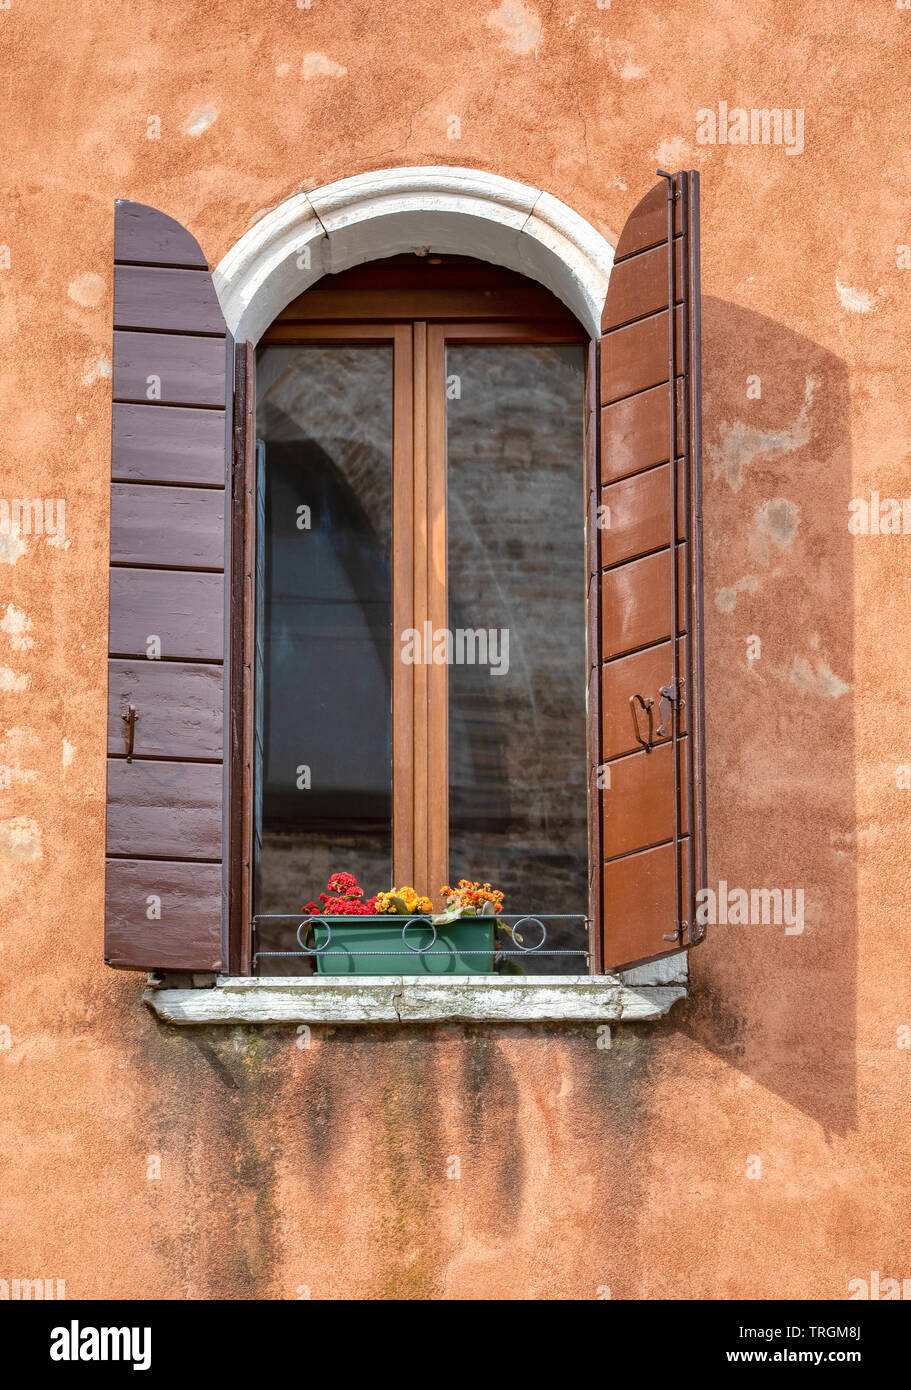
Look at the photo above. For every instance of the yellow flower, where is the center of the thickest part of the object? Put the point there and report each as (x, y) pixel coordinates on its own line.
(407, 895)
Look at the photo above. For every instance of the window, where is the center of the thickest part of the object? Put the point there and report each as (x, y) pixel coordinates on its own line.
(435, 433)
(421, 599)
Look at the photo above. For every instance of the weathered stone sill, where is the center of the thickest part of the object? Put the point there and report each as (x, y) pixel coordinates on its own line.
(410, 999)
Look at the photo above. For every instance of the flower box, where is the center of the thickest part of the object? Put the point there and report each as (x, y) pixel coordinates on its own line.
(361, 945)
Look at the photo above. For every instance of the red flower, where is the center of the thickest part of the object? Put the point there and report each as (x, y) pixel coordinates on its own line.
(343, 899)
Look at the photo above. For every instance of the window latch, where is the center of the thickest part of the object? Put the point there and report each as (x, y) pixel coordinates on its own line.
(646, 702)
(130, 720)
(669, 698)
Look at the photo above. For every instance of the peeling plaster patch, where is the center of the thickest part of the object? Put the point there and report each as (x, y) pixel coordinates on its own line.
(775, 521)
(200, 120)
(96, 369)
(519, 25)
(319, 65)
(68, 753)
(19, 774)
(87, 289)
(16, 624)
(11, 547)
(726, 599)
(620, 58)
(855, 301)
(671, 152)
(20, 840)
(12, 681)
(282, 69)
(16, 744)
(821, 682)
(741, 443)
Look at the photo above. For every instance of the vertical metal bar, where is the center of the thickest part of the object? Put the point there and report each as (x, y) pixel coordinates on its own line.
(597, 925)
(696, 716)
(673, 193)
(688, 531)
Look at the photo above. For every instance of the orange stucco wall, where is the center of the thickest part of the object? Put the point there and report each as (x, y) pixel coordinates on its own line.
(282, 1166)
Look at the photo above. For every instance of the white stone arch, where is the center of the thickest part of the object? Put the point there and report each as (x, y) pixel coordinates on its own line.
(458, 211)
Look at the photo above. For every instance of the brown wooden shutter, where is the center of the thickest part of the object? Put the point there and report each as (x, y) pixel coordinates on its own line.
(173, 369)
(646, 709)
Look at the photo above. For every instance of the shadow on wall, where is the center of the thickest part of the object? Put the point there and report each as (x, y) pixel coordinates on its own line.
(779, 628)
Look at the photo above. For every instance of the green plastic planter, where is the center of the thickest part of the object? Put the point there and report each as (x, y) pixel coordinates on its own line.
(350, 935)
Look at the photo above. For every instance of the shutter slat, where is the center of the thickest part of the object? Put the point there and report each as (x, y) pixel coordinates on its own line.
(185, 903)
(185, 610)
(636, 603)
(166, 793)
(167, 526)
(647, 224)
(638, 807)
(639, 896)
(644, 671)
(639, 513)
(650, 791)
(144, 234)
(635, 358)
(176, 301)
(635, 432)
(180, 707)
(164, 810)
(639, 286)
(182, 370)
(168, 444)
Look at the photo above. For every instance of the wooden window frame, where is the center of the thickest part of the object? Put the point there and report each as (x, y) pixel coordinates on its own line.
(420, 733)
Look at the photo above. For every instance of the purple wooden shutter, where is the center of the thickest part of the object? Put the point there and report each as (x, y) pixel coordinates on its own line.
(645, 547)
(170, 502)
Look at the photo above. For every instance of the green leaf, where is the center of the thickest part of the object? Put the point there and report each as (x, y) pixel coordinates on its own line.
(398, 903)
(452, 914)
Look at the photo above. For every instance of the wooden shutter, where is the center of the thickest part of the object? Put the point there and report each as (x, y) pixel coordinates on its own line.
(167, 793)
(645, 548)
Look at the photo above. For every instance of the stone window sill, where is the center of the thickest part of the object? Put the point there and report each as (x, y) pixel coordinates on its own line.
(638, 996)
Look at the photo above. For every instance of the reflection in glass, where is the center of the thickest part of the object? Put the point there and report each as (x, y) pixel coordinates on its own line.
(516, 567)
(324, 784)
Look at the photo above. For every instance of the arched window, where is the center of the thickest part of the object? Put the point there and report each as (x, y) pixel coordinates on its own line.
(393, 594)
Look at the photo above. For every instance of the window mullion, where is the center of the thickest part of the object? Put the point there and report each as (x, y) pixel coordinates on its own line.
(437, 814)
(405, 549)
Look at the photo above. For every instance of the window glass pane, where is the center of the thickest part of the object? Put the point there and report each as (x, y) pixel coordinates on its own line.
(325, 694)
(516, 553)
